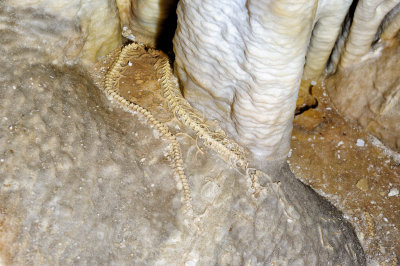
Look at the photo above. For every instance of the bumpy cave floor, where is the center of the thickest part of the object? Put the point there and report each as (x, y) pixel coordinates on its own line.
(335, 157)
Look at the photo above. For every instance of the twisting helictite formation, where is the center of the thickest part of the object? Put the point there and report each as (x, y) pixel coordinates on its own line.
(216, 140)
(111, 89)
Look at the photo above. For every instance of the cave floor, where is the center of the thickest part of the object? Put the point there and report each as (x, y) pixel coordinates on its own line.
(354, 171)
(335, 157)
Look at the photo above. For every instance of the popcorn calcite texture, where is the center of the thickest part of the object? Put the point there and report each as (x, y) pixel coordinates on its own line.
(83, 182)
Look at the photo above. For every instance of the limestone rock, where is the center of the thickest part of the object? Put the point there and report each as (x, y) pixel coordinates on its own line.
(370, 94)
(362, 184)
(80, 31)
(83, 182)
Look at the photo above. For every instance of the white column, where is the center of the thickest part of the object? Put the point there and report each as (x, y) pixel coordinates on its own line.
(242, 62)
(367, 18)
(329, 20)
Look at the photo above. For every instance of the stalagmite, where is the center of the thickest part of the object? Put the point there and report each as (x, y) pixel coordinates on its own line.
(244, 68)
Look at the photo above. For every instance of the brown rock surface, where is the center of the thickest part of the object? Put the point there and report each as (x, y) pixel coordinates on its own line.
(336, 158)
(369, 93)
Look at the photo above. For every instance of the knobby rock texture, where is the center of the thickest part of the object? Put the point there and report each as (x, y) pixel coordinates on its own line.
(84, 182)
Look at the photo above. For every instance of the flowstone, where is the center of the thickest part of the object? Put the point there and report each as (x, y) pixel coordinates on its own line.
(83, 181)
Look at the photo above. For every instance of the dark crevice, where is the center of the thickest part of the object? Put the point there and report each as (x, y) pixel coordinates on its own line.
(166, 28)
(385, 22)
(302, 109)
(339, 44)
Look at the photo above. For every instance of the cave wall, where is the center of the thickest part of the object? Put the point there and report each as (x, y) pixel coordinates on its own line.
(369, 93)
(83, 30)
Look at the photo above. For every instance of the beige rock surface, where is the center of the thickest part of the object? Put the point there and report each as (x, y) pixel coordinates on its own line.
(119, 189)
(82, 30)
(369, 93)
(84, 182)
(337, 157)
